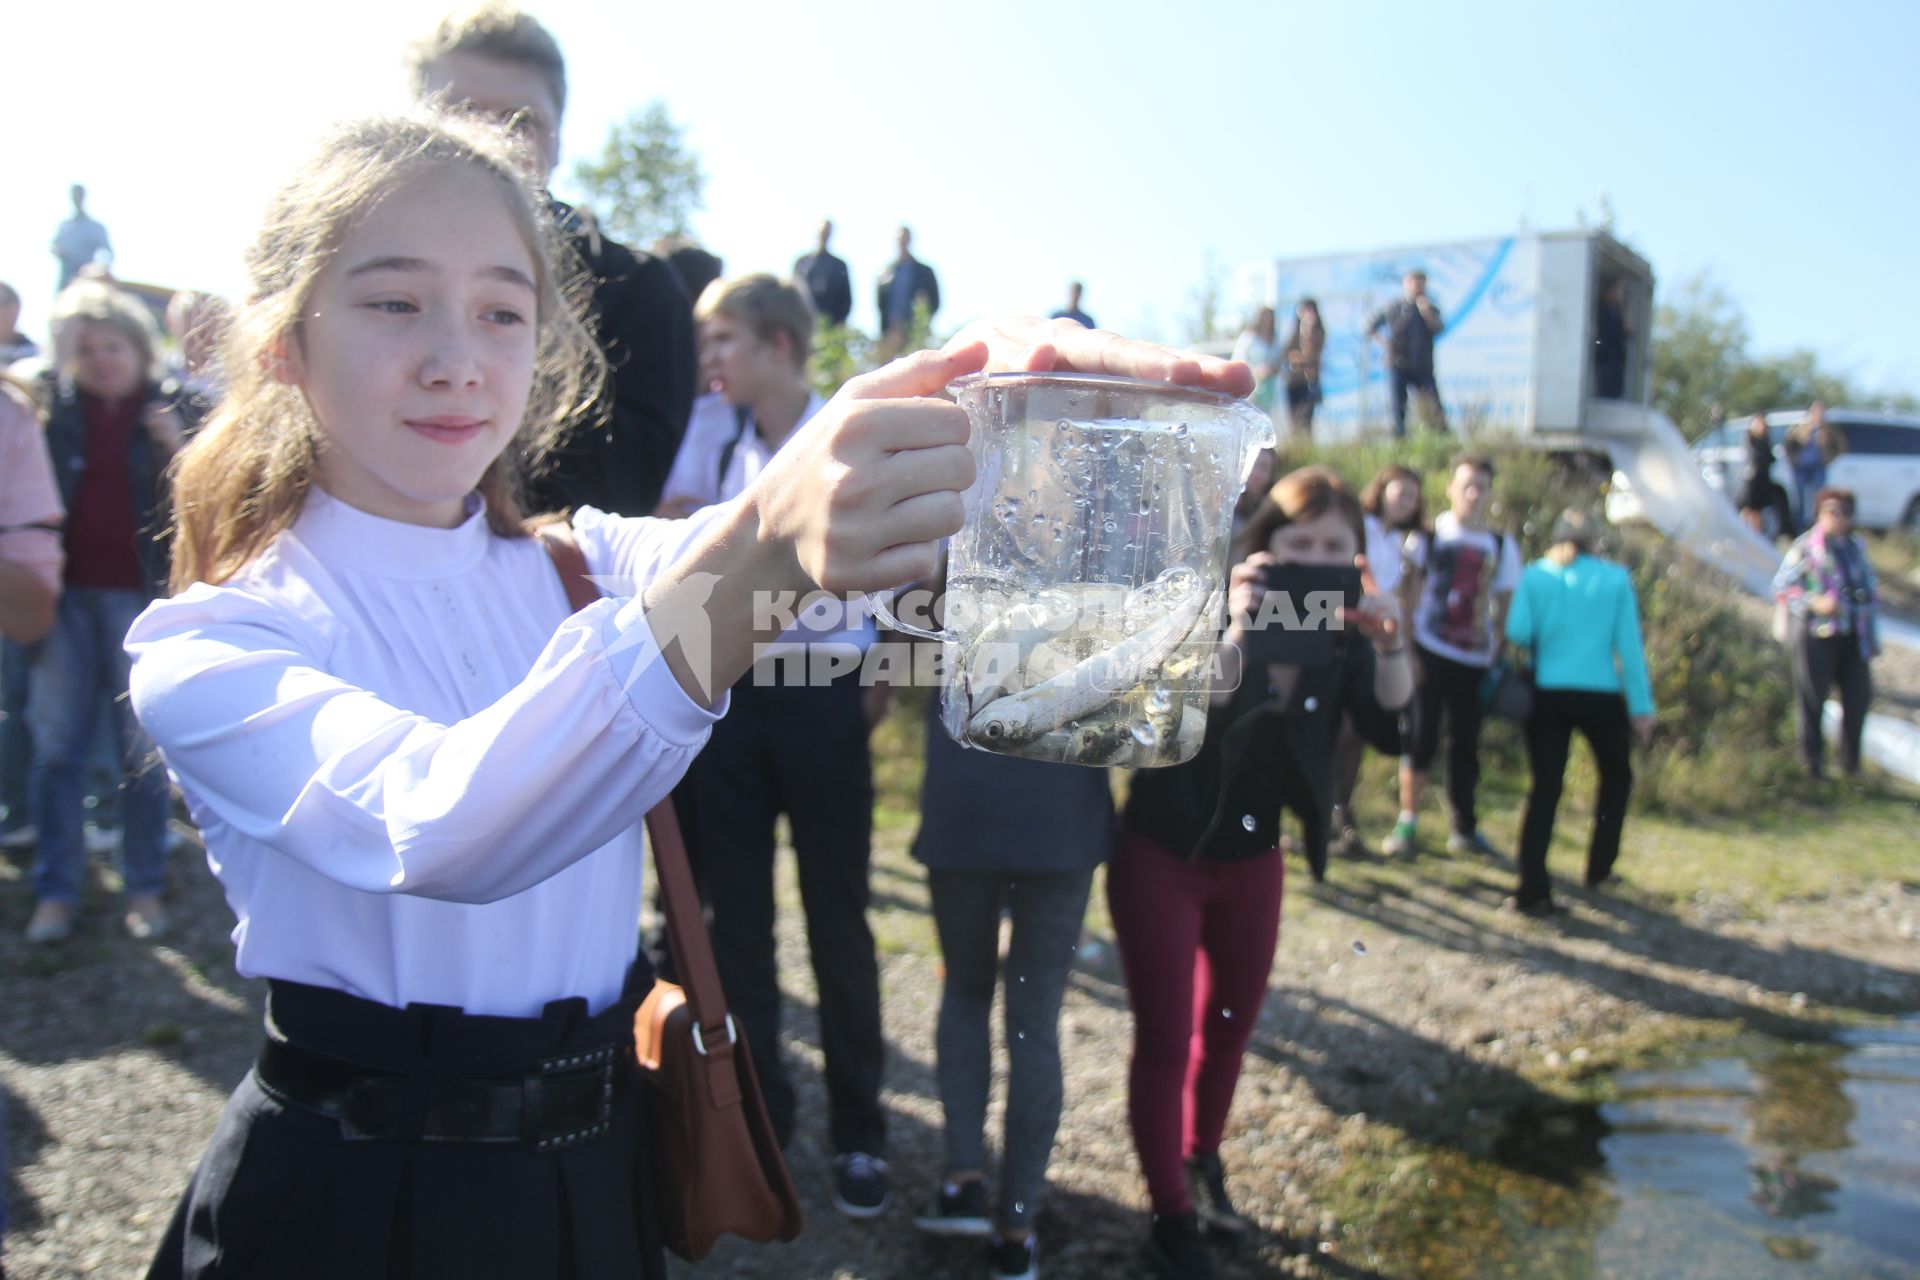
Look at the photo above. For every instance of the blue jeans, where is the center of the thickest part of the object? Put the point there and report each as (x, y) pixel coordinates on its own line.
(78, 666)
(1808, 480)
(16, 744)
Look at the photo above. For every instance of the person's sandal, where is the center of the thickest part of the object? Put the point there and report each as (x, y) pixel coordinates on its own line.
(146, 920)
(52, 922)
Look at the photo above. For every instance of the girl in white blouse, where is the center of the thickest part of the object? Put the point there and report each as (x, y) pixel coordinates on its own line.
(419, 776)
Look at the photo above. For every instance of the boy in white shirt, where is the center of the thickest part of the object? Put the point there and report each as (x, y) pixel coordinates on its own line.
(1458, 583)
(795, 742)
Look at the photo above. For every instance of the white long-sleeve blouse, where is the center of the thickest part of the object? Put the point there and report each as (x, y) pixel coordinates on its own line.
(418, 774)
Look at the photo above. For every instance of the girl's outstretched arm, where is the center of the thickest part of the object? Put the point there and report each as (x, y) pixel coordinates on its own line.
(860, 497)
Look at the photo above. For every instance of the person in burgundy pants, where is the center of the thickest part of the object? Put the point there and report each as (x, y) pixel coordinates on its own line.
(1195, 885)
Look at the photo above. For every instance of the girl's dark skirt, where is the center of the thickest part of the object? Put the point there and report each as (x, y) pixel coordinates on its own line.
(284, 1189)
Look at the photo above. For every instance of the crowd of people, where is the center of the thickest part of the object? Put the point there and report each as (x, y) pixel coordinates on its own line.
(296, 560)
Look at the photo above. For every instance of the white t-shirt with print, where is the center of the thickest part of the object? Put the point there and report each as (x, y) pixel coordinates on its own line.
(1465, 569)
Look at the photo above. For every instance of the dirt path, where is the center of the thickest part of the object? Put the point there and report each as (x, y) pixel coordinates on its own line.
(1400, 1000)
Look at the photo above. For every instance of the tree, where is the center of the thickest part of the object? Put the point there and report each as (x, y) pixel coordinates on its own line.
(1206, 322)
(1699, 341)
(1703, 373)
(646, 183)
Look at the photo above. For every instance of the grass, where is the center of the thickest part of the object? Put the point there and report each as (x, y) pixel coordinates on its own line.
(1822, 840)
(1896, 561)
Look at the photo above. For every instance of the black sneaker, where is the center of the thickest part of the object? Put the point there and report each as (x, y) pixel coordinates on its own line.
(1207, 1188)
(1014, 1259)
(1176, 1250)
(957, 1209)
(860, 1185)
(1346, 839)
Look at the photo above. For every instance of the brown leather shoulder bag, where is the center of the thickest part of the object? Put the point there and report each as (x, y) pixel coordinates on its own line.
(717, 1169)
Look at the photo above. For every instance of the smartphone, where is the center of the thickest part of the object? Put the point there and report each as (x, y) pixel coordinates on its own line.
(1297, 620)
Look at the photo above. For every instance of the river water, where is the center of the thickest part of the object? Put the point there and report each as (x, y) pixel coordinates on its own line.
(1775, 1162)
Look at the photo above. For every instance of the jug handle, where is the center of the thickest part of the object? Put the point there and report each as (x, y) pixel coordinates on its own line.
(881, 602)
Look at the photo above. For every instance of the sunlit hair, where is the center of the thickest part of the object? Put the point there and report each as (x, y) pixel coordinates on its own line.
(765, 305)
(86, 302)
(1842, 498)
(496, 31)
(1577, 527)
(1306, 494)
(242, 479)
(1373, 498)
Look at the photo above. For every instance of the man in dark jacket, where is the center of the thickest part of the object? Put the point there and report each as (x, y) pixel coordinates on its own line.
(503, 64)
(1408, 325)
(906, 284)
(824, 277)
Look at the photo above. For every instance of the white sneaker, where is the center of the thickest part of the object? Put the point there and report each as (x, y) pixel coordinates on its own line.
(19, 838)
(146, 919)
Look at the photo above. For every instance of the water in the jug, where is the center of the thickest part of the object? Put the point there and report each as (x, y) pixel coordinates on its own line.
(1095, 595)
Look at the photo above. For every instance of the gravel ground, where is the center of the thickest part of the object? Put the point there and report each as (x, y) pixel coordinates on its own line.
(1395, 1001)
(1398, 1005)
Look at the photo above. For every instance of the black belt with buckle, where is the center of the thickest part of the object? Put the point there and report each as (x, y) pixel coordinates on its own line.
(562, 1102)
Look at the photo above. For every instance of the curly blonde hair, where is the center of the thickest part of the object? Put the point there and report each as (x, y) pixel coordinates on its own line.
(241, 481)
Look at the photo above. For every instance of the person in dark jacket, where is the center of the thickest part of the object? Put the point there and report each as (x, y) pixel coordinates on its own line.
(1195, 885)
(824, 277)
(1812, 445)
(1073, 311)
(1612, 331)
(905, 285)
(1029, 854)
(501, 63)
(1407, 327)
(111, 429)
(1759, 491)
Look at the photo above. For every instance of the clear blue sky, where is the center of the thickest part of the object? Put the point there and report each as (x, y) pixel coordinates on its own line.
(1770, 144)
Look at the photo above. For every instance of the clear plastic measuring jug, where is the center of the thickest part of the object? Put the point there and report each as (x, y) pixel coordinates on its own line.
(1087, 589)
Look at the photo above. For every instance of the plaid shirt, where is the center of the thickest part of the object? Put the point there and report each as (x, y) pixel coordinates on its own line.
(1815, 567)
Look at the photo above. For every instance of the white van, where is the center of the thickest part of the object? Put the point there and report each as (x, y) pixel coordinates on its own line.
(1881, 466)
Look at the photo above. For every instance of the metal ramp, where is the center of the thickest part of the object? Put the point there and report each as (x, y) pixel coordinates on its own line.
(1675, 498)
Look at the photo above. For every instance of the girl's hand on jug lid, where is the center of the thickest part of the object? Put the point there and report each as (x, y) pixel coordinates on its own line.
(1024, 344)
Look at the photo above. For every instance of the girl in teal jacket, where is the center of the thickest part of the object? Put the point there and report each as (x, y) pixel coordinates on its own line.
(1578, 616)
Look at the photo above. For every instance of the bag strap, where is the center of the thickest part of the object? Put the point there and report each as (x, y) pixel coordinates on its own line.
(686, 925)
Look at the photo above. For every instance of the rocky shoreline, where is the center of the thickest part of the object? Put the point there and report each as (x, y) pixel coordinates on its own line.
(1404, 1006)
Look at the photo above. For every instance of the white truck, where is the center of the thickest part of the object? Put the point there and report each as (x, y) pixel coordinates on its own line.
(1517, 357)
(1518, 351)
